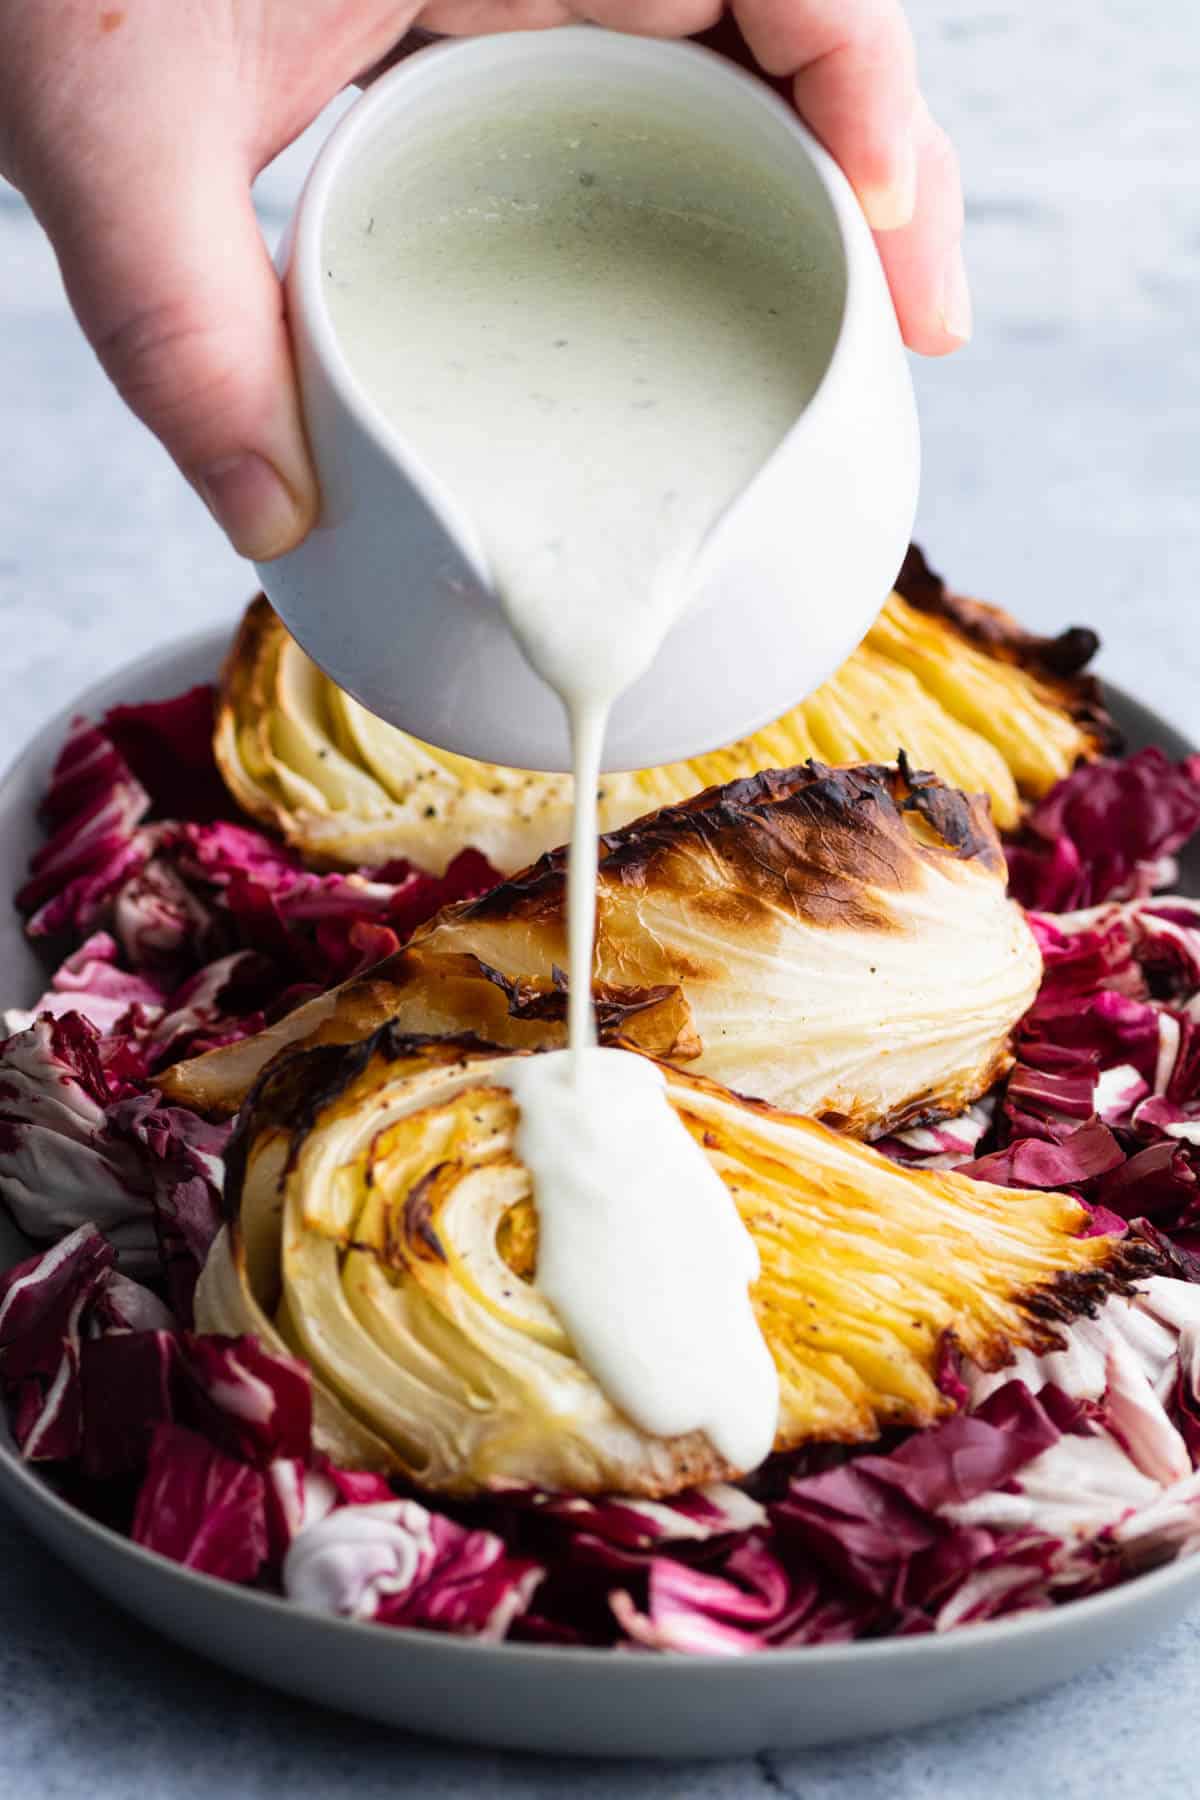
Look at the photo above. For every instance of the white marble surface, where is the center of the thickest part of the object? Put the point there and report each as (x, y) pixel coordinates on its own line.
(1062, 463)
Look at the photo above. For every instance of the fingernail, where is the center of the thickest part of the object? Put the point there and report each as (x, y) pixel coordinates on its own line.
(956, 297)
(891, 206)
(253, 505)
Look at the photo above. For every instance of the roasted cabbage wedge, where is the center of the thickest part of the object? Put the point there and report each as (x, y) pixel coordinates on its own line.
(384, 1229)
(967, 693)
(838, 942)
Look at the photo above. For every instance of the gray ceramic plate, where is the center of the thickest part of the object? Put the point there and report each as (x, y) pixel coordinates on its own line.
(534, 1698)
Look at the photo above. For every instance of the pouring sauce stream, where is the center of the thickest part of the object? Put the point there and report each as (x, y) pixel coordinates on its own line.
(596, 377)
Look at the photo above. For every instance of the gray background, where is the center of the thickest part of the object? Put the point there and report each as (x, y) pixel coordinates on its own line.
(1061, 474)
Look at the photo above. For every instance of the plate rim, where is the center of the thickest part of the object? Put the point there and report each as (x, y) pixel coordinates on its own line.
(213, 642)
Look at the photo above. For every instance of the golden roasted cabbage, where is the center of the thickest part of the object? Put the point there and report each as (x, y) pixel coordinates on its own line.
(385, 1230)
(959, 686)
(838, 942)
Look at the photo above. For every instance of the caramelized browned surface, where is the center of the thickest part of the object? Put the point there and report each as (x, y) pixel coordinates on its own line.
(798, 935)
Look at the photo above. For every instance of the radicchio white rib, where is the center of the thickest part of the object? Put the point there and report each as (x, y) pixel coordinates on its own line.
(1130, 1464)
(400, 1564)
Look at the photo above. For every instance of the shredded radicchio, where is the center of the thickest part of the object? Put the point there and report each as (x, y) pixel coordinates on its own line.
(155, 884)
(1105, 1095)
(182, 927)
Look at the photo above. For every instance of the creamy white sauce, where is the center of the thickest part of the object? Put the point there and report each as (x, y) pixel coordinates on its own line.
(595, 364)
(641, 1251)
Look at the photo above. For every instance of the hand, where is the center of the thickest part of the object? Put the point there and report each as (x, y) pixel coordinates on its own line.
(135, 130)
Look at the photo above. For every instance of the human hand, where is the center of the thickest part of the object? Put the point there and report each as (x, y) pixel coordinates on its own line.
(135, 132)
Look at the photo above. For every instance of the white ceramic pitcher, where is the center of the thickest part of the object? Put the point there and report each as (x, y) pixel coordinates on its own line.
(391, 595)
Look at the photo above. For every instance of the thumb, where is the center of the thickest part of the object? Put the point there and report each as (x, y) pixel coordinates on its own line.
(170, 278)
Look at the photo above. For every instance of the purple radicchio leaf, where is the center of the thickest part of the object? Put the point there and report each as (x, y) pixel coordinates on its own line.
(402, 1565)
(201, 1508)
(130, 1383)
(168, 745)
(43, 1303)
(95, 808)
(1034, 1163)
(255, 1405)
(91, 983)
(59, 1167)
(244, 1401)
(146, 1174)
(756, 1602)
(874, 1522)
(181, 1155)
(1099, 834)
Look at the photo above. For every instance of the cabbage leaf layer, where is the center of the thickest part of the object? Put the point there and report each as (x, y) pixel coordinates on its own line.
(838, 942)
(385, 1230)
(959, 685)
